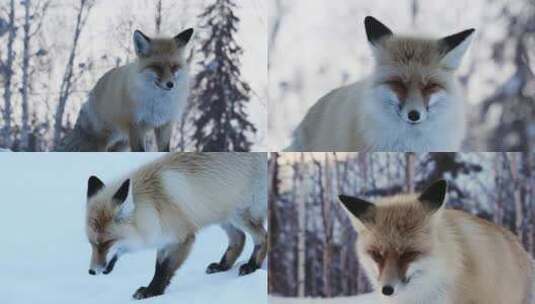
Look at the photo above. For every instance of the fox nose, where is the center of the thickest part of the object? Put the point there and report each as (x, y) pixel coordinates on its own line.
(92, 272)
(170, 85)
(388, 290)
(414, 116)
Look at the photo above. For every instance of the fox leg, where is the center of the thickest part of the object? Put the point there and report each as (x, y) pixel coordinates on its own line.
(255, 228)
(163, 137)
(168, 260)
(236, 239)
(136, 138)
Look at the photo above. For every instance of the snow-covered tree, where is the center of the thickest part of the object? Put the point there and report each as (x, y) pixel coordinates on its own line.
(219, 94)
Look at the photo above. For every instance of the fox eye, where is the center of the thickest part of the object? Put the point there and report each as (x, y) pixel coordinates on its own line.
(431, 88)
(376, 256)
(398, 86)
(106, 244)
(410, 255)
(175, 67)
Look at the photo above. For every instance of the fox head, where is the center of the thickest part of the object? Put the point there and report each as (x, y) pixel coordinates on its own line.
(414, 76)
(106, 224)
(162, 62)
(396, 237)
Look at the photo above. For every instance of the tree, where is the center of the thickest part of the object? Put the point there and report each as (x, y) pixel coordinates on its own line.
(220, 96)
(68, 77)
(7, 70)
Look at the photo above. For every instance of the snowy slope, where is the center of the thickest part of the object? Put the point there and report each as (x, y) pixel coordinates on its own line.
(45, 255)
(362, 299)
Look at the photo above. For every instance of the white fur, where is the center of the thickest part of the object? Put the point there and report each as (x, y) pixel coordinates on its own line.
(359, 117)
(384, 128)
(156, 106)
(231, 185)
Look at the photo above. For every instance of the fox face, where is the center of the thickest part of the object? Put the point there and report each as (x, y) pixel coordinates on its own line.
(395, 242)
(162, 61)
(104, 228)
(414, 77)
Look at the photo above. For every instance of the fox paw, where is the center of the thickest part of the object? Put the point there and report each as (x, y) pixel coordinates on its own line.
(248, 268)
(216, 267)
(145, 292)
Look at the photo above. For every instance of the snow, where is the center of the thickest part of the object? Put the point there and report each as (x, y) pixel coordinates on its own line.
(361, 299)
(45, 254)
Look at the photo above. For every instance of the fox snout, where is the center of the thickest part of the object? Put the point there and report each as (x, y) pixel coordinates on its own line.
(390, 277)
(166, 84)
(99, 264)
(414, 114)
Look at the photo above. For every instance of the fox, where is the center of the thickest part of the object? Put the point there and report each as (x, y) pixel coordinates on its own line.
(411, 102)
(414, 250)
(131, 101)
(163, 204)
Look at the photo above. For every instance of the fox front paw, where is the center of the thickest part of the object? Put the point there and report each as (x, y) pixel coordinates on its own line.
(248, 268)
(216, 267)
(145, 292)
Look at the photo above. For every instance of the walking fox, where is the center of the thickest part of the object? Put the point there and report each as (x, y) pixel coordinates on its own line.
(163, 205)
(130, 101)
(411, 102)
(416, 251)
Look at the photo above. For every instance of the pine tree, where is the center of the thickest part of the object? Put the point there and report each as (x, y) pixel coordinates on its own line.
(220, 96)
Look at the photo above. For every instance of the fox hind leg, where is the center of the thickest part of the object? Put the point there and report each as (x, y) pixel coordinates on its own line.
(255, 227)
(236, 239)
(168, 260)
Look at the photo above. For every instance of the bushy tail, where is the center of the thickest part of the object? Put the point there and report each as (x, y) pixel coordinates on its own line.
(77, 140)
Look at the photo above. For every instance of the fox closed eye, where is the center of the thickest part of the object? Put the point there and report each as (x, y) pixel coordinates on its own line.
(410, 256)
(175, 67)
(431, 87)
(376, 256)
(398, 86)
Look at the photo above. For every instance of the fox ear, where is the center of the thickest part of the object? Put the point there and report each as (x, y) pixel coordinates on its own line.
(375, 30)
(94, 184)
(141, 44)
(361, 209)
(434, 196)
(121, 194)
(454, 47)
(184, 37)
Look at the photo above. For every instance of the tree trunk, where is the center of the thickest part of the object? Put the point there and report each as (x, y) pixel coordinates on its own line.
(410, 159)
(158, 18)
(25, 75)
(67, 82)
(8, 74)
(301, 232)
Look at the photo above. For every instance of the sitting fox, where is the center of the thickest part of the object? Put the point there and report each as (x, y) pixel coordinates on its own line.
(130, 101)
(165, 203)
(411, 102)
(416, 251)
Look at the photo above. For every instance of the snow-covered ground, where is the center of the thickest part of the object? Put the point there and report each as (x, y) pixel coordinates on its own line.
(45, 254)
(362, 299)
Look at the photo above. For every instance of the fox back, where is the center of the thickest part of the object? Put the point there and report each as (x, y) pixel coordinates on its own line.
(414, 251)
(405, 105)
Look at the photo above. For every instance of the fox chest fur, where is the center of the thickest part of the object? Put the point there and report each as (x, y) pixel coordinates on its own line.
(126, 96)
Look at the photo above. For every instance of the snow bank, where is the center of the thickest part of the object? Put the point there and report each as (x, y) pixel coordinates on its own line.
(361, 299)
(45, 254)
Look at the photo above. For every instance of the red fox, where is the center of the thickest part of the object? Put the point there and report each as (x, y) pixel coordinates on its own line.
(163, 204)
(416, 251)
(411, 102)
(129, 101)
